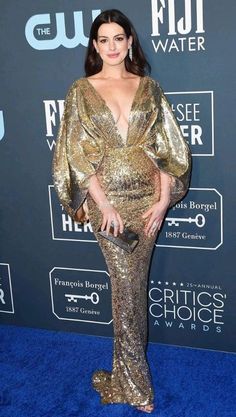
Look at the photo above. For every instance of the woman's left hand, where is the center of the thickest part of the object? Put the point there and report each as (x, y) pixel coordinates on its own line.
(156, 216)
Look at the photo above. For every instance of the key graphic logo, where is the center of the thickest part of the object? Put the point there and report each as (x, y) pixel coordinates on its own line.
(81, 295)
(196, 222)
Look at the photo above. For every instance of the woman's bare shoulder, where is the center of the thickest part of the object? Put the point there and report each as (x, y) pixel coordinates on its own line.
(94, 76)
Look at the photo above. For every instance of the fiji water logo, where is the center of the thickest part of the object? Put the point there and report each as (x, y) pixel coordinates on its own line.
(178, 25)
(53, 110)
(45, 32)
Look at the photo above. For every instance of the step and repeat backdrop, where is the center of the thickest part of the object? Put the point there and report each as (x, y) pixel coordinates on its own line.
(52, 272)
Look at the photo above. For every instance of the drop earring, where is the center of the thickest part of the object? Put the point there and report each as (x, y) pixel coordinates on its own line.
(130, 53)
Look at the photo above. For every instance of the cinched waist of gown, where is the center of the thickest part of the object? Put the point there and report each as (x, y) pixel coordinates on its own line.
(129, 150)
(127, 169)
(123, 148)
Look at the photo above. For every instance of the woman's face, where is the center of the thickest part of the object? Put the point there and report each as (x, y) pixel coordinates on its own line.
(112, 43)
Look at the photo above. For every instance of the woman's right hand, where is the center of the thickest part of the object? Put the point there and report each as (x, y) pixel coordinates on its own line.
(111, 217)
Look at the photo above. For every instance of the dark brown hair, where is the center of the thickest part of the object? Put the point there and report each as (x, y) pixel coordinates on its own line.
(93, 62)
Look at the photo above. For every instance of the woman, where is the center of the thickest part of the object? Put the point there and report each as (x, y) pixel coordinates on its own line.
(121, 151)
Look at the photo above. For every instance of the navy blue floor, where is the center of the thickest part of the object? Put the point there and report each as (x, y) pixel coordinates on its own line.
(47, 374)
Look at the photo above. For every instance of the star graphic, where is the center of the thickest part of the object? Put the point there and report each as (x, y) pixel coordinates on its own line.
(174, 283)
(159, 282)
(167, 283)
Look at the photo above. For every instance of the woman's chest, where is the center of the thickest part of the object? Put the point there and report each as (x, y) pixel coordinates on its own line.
(100, 113)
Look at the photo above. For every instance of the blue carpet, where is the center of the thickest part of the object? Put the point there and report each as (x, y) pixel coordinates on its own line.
(47, 374)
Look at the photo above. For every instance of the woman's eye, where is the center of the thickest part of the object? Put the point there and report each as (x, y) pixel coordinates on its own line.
(120, 38)
(102, 40)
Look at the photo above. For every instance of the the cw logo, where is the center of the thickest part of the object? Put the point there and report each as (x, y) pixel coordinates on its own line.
(2, 130)
(36, 25)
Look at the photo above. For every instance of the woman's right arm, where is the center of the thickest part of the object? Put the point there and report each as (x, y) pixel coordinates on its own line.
(108, 211)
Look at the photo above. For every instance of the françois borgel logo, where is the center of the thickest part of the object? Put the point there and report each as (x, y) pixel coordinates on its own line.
(62, 225)
(81, 295)
(45, 31)
(178, 26)
(186, 305)
(6, 297)
(196, 222)
(194, 111)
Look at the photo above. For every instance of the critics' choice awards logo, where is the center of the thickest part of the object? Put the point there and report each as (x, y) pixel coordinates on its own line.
(194, 111)
(196, 222)
(6, 297)
(2, 128)
(81, 295)
(178, 26)
(62, 225)
(49, 31)
(189, 306)
(195, 114)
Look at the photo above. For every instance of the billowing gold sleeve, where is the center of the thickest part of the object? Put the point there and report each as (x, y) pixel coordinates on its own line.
(169, 149)
(77, 156)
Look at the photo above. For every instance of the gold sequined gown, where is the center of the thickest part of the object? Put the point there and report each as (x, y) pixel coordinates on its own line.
(129, 172)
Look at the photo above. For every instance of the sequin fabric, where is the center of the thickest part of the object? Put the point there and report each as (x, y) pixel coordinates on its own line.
(129, 172)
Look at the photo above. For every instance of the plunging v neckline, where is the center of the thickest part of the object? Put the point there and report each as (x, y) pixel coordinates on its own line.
(110, 112)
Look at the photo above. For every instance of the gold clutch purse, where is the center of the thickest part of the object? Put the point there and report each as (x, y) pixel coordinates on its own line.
(127, 240)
